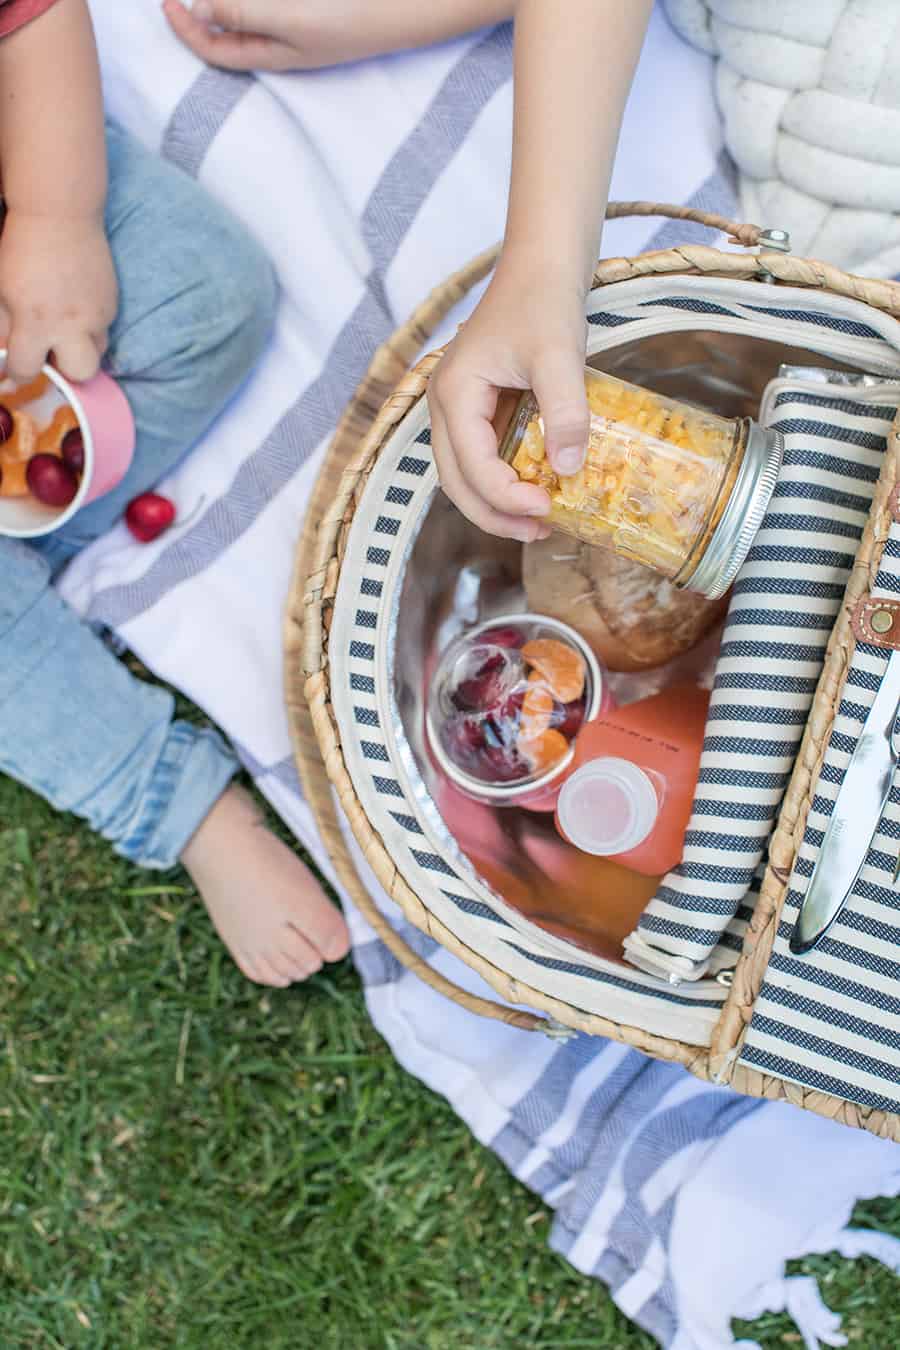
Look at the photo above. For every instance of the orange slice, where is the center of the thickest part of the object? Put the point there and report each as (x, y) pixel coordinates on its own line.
(542, 752)
(20, 394)
(14, 483)
(51, 438)
(537, 708)
(23, 442)
(561, 666)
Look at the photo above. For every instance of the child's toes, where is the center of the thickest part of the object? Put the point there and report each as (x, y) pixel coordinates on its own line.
(266, 972)
(322, 926)
(296, 952)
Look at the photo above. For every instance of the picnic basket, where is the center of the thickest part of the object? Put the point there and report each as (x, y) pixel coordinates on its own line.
(694, 279)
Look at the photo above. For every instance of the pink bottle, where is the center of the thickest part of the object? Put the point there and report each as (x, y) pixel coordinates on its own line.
(631, 789)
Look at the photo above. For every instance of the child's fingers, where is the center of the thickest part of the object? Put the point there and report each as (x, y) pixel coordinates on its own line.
(26, 352)
(77, 356)
(558, 382)
(475, 447)
(472, 505)
(467, 405)
(222, 47)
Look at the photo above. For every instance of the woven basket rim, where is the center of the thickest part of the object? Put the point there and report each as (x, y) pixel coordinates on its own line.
(389, 390)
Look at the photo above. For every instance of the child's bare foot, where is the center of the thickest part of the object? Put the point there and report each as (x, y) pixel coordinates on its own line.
(305, 34)
(267, 907)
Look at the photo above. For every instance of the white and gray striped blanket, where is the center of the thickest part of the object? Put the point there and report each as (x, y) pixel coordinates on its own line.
(353, 180)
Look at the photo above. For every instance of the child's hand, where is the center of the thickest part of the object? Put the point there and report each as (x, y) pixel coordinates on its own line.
(308, 34)
(272, 34)
(58, 294)
(525, 334)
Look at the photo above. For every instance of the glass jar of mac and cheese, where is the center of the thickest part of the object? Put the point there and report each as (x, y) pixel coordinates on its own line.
(675, 487)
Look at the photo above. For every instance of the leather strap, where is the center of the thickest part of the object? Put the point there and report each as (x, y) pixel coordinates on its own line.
(877, 621)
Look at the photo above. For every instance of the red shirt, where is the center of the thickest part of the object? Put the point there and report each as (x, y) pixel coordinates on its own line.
(15, 13)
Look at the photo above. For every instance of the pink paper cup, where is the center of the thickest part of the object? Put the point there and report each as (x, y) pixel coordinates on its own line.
(107, 427)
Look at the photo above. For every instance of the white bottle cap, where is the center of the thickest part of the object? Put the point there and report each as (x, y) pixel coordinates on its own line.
(607, 806)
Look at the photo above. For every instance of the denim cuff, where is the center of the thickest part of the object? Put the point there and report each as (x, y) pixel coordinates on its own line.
(191, 774)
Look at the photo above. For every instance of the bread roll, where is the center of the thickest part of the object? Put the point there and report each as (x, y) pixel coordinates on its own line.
(633, 618)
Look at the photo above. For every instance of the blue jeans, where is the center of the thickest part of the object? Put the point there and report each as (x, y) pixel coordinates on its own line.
(197, 301)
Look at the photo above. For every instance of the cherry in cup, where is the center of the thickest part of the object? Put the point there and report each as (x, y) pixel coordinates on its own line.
(72, 450)
(40, 461)
(51, 480)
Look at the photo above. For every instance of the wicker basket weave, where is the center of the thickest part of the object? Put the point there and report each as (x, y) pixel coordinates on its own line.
(385, 396)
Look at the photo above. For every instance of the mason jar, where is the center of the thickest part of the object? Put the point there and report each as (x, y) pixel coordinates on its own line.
(677, 488)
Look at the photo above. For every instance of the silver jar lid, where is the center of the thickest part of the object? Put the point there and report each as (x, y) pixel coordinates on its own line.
(744, 511)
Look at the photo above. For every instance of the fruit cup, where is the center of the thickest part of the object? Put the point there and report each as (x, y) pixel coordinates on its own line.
(92, 463)
(506, 703)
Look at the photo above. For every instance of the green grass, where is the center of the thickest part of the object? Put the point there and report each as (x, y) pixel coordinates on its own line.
(188, 1160)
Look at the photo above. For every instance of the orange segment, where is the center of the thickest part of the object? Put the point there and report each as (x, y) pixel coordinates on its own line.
(537, 708)
(23, 442)
(542, 752)
(20, 394)
(51, 438)
(14, 483)
(560, 665)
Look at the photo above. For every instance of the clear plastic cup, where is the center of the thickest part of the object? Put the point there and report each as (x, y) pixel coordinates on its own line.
(506, 703)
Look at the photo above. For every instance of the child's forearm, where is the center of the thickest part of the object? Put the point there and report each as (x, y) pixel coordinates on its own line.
(574, 64)
(436, 21)
(52, 147)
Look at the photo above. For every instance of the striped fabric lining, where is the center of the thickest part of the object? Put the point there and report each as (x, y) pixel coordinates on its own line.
(442, 882)
(785, 602)
(831, 1019)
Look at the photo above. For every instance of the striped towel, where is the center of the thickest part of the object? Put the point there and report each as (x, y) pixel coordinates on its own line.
(642, 1166)
(785, 603)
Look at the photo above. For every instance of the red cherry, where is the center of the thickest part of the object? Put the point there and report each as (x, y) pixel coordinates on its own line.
(567, 718)
(501, 727)
(475, 747)
(6, 424)
(485, 688)
(506, 636)
(149, 516)
(51, 481)
(72, 450)
(463, 739)
(502, 764)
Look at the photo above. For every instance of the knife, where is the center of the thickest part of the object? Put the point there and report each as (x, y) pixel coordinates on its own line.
(858, 809)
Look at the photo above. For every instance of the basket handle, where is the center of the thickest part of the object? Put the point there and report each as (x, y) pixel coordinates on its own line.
(747, 235)
(394, 358)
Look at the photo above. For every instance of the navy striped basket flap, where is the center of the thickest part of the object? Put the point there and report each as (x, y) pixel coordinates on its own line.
(830, 1019)
(779, 622)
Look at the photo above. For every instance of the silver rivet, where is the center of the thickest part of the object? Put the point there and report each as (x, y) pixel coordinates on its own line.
(778, 240)
(882, 621)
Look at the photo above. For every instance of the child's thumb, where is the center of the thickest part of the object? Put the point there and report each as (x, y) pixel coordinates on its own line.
(559, 389)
